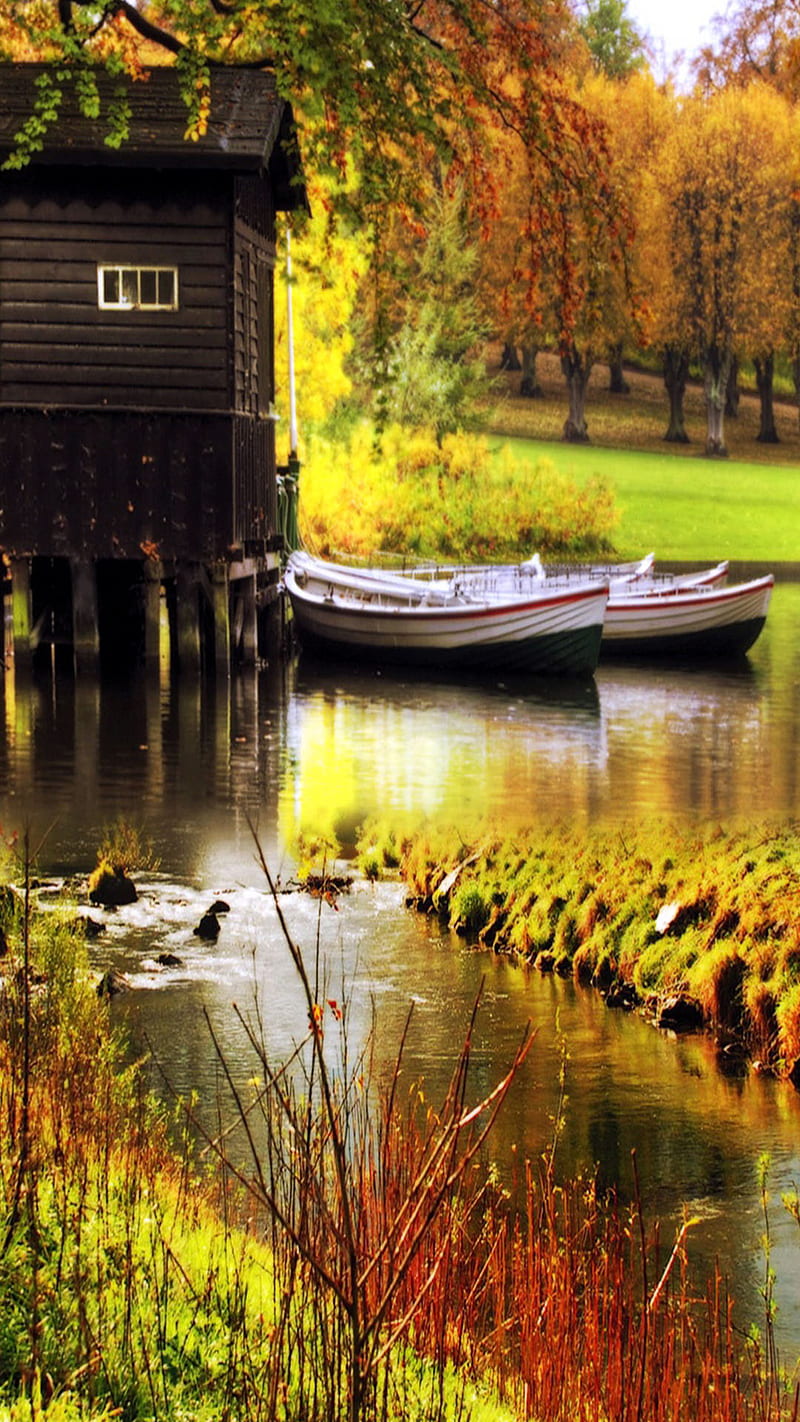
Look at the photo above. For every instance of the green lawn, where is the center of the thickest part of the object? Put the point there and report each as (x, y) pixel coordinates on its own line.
(688, 508)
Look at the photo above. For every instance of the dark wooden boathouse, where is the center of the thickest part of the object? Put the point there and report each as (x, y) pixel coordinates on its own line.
(137, 418)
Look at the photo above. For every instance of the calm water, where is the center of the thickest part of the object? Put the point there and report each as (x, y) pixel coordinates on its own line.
(317, 748)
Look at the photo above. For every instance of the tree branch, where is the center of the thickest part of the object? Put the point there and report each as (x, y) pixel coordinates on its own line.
(145, 28)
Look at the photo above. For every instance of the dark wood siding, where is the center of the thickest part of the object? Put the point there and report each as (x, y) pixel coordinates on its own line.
(57, 347)
(253, 340)
(255, 207)
(108, 484)
(255, 489)
(256, 493)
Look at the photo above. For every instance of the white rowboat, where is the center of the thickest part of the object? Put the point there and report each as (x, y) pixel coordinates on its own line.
(688, 622)
(647, 614)
(369, 615)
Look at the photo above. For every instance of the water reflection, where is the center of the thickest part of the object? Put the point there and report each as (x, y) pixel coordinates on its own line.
(366, 744)
(315, 748)
(696, 1133)
(637, 742)
(195, 766)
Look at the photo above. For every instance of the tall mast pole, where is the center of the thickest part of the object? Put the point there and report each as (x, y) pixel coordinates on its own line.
(290, 342)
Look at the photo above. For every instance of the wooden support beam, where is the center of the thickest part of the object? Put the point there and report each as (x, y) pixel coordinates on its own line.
(271, 628)
(246, 620)
(85, 624)
(187, 596)
(8, 630)
(21, 612)
(220, 601)
(151, 577)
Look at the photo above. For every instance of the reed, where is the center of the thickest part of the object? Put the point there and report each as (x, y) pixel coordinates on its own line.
(353, 1257)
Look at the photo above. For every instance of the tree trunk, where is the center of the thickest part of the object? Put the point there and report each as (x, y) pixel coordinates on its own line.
(716, 369)
(577, 368)
(529, 385)
(617, 383)
(765, 372)
(509, 360)
(676, 370)
(732, 391)
(796, 379)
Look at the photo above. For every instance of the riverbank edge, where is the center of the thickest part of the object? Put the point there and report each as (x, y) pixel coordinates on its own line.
(698, 929)
(138, 1268)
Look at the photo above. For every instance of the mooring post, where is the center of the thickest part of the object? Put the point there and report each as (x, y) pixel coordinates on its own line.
(21, 612)
(220, 596)
(187, 597)
(151, 578)
(85, 625)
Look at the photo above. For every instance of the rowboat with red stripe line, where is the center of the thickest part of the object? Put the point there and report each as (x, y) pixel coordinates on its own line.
(687, 622)
(368, 615)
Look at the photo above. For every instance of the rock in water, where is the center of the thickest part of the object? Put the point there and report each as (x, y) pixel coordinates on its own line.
(111, 984)
(208, 928)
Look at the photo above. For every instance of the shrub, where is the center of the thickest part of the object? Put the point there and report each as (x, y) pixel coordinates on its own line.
(124, 848)
(456, 501)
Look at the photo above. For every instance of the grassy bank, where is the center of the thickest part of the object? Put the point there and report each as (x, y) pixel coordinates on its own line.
(353, 1262)
(670, 498)
(296, 1278)
(684, 509)
(499, 499)
(699, 927)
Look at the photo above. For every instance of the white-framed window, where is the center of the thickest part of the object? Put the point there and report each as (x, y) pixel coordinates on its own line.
(137, 288)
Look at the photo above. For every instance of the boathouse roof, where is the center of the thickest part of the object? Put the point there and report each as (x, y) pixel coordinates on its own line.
(250, 126)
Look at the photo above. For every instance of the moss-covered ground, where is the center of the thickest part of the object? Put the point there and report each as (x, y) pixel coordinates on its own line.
(705, 920)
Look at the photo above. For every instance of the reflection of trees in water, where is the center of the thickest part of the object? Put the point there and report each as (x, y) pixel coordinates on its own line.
(319, 744)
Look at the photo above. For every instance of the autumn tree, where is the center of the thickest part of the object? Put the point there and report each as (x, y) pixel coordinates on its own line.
(616, 47)
(585, 276)
(753, 42)
(372, 84)
(507, 279)
(723, 189)
(328, 268)
(636, 113)
(554, 253)
(649, 114)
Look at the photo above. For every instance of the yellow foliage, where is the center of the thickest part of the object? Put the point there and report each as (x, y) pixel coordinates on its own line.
(327, 267)
(715, 222)
(456, 501)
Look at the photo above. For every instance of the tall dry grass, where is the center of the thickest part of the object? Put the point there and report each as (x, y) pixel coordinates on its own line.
(355, 1259)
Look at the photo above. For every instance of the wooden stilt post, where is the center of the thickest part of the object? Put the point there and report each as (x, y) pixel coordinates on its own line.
(85, 625)
(151, 577)
(247, 593)
(8, 629)
(220, 592)
(21, 612)
(187, 592)
(271, 629)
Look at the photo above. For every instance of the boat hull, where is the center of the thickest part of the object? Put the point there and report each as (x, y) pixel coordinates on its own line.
(549, 634)
(686, 623)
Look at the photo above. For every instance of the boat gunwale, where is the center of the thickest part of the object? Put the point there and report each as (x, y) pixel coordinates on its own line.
(701, 595)
(518, 604)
